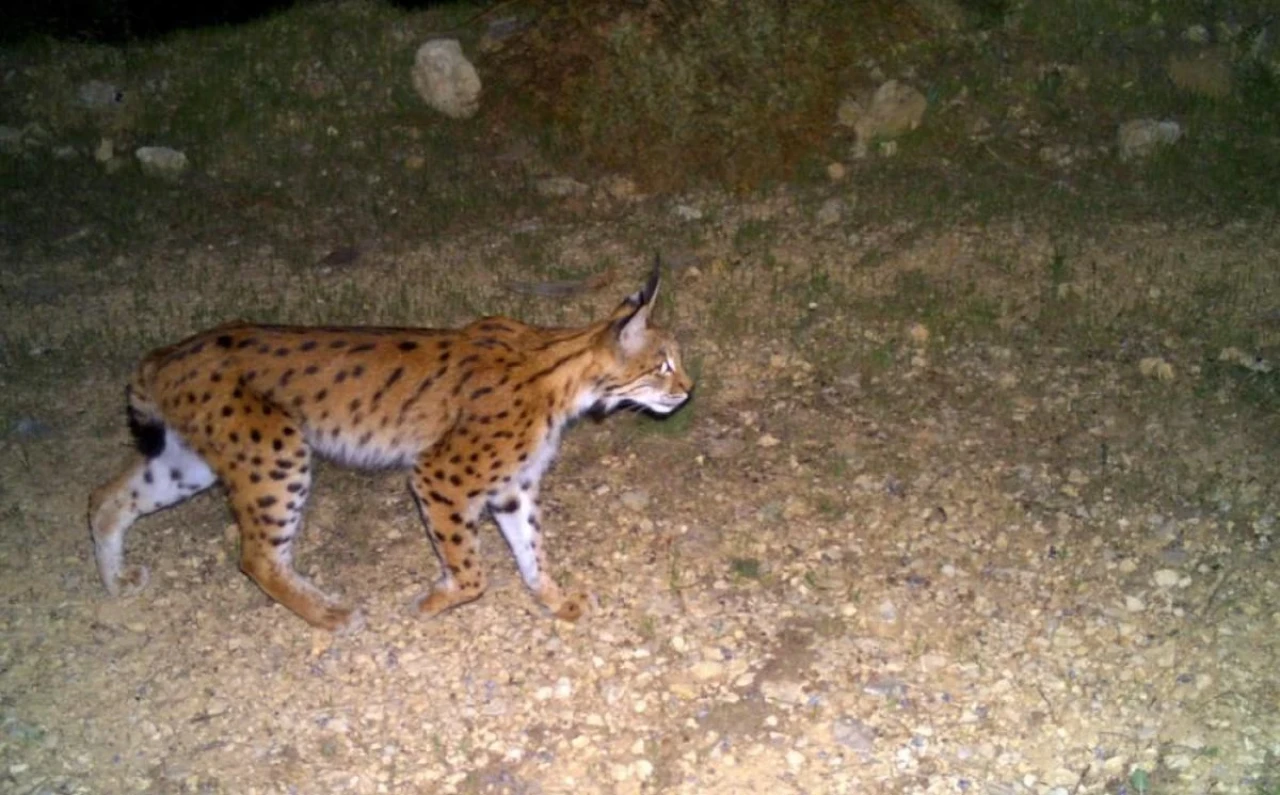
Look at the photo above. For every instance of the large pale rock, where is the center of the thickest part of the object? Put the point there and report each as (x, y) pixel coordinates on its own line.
(445, 79)
(894, 108)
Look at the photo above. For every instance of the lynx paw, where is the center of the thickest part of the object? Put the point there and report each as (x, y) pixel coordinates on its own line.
(440, 599)
(131, 580)
(573, 607)
(346, 620)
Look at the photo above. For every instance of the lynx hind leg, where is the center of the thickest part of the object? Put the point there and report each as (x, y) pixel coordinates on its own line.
(268, 478)
(144, 486)
(516, 512)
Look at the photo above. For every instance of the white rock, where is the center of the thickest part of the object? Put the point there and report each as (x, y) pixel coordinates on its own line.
(99, 94)
(785, 692)
(161, 161)
(1167, 578)
(563, 688)
(634, 500)
(707, 670)
(643, 768)
(1134, 605)
(894, 109)
(560, 187)
(445, 79)
(1139, 138)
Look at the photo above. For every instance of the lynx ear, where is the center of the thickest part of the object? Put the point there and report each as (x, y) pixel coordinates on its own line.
(631, 318)
(642, 297)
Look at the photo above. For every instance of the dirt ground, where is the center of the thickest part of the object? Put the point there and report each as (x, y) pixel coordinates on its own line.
(876, 554)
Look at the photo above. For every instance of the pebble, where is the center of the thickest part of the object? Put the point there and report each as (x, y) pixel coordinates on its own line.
(563, 688)
(853, 733)
(785, 692)
(634, 500)
(1134, 605)
(707, 670)
(1167, 578)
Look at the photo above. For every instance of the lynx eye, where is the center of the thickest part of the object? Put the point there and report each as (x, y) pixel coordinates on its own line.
(666, 368)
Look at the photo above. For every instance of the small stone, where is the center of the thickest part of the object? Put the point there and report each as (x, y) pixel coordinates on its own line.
(1140, 138)
(919, 333)
(1134, 605)
(831, 212)
(836, 171)
(98, 94)
(767, 440)
(929, 663)
(619, 188)
(634, 500)
(563, 688)
(1167, 578)
(161, 161)
(784, 692)
(707, 670)
(643, 769)
(1157, 368)
(686, 212)
(853, 733)
(794, 758)
(559, 187)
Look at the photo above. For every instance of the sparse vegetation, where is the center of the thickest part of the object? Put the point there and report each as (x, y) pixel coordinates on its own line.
(971, 315)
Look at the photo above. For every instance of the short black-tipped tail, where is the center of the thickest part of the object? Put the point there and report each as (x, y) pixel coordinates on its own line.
(148, 431)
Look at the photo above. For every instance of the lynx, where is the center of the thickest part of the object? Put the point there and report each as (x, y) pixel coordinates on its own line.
(476, 413)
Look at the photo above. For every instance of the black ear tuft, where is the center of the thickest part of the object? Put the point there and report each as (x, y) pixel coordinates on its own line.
(650, 288)
(644, 296)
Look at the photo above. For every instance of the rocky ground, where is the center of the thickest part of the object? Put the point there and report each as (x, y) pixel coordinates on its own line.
(877, 554)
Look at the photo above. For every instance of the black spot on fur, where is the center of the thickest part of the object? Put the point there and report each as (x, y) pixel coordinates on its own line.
(407, 346)
(436, 496)
(223, 341)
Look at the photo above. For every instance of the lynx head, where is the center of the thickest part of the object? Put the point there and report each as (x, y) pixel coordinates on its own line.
(645, 371)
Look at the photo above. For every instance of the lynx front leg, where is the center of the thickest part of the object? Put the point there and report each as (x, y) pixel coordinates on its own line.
(516, 512)
(146, 485)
